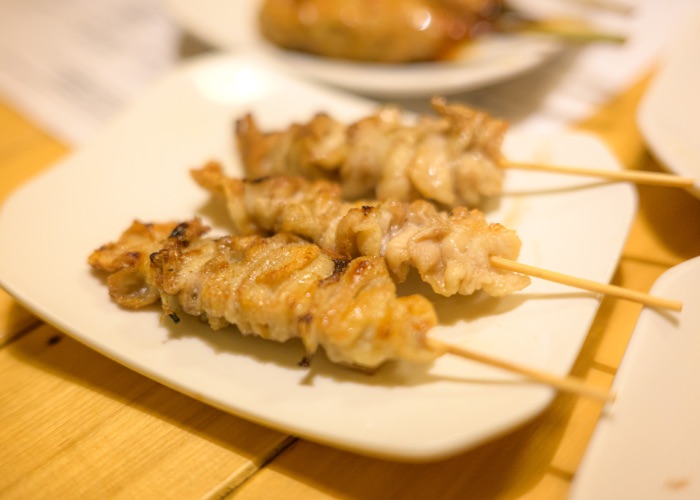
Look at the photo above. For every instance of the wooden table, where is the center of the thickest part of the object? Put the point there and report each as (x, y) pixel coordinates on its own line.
(74, 424)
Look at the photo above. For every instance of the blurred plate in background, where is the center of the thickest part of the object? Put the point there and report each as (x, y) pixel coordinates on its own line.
(226, 24)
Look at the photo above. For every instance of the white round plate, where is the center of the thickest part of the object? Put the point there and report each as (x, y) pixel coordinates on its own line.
(233, 25)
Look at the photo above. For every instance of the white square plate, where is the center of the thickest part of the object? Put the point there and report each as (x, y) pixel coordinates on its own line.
(138, 169)
(647, 444)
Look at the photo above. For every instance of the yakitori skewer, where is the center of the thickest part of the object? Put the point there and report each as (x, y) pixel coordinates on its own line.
(282, 287)
(453, 158)
(456, 252)
(277, 287)
(450, 251)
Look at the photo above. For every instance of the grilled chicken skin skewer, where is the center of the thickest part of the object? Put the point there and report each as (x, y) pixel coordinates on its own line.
(277, 288)
(453, 159)
(280, 288)
(390, 31)
(450, 251)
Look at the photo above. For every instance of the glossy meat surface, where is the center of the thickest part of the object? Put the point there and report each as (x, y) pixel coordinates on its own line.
(388, 31)
(278, 288)
(453, 158)
(450, 251)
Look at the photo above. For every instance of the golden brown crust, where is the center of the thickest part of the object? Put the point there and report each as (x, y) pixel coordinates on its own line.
(278, 288)
(452, 159)
(128, 259)
(450, 251)
(390, 31)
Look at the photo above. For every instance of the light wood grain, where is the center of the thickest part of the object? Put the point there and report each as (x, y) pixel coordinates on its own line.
(14, 318)
(19, 166)
(618, 328)
(77, 425)
(666, 231)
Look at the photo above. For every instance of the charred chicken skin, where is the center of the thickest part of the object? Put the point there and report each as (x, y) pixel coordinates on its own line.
(277, 288)
(453, 159)
(450, 251)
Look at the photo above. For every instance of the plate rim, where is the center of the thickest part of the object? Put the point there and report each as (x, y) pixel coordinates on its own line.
(434, 451)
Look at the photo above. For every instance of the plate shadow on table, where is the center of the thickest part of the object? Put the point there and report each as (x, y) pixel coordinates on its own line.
(17, 319)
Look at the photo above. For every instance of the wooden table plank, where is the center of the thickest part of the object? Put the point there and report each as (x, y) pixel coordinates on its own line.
(526, 461)
(306, 470)
(622, 318)
(666, 230)
(18, 166)
(580, 424)
(14, 131)
(76, 424)
(24, 151)
(14, 319)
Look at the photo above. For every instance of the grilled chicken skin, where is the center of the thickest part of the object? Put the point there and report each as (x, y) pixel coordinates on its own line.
(388, 31)
(453, 158)
(277, 287)
(450, 251)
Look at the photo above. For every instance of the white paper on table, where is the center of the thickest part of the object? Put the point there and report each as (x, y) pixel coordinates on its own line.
(71, 65)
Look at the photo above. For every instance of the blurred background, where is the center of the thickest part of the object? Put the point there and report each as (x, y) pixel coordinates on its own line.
(72, 65)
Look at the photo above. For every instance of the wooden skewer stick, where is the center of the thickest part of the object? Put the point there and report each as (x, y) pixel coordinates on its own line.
(650, 178)
(615, 291)
(568, 384)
